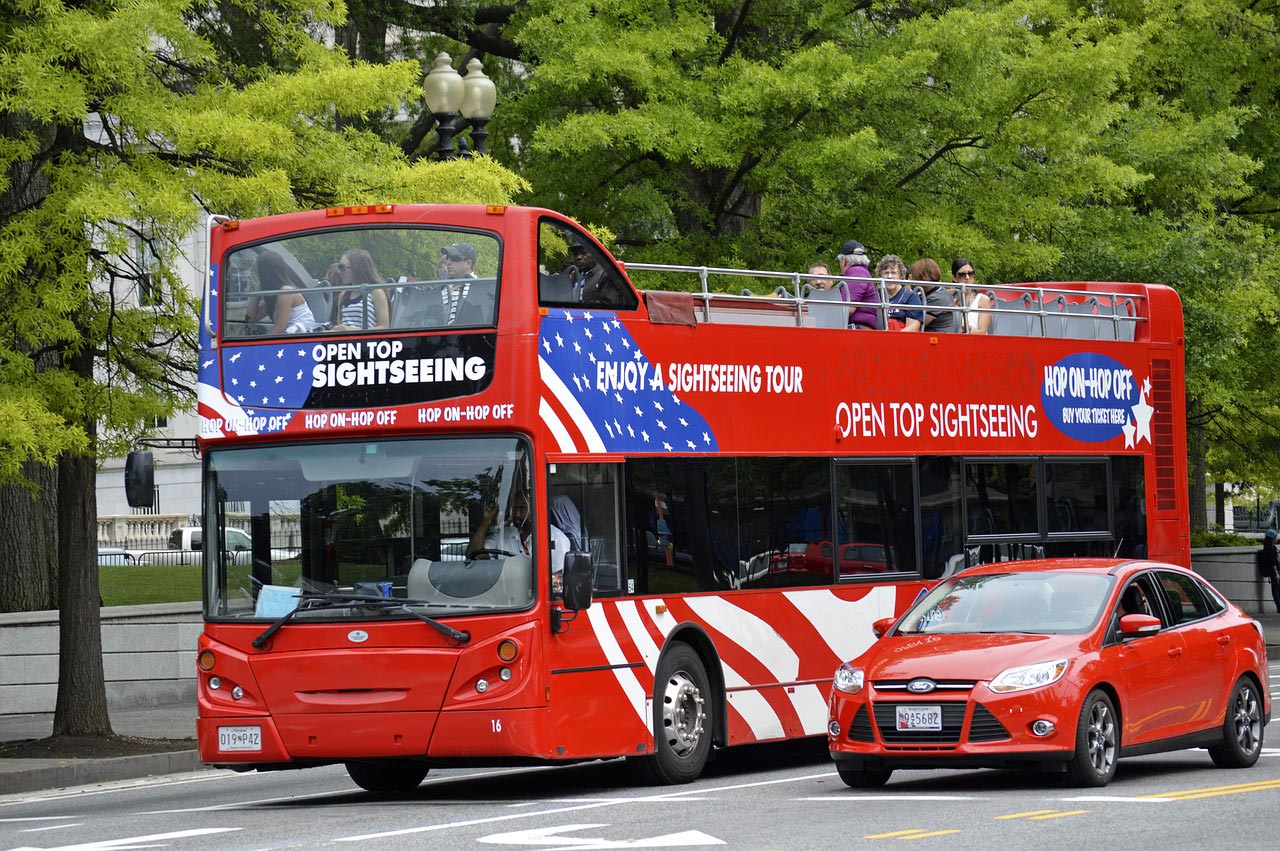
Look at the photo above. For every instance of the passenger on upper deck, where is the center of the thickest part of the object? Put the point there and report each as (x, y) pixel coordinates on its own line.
(288, 311)
(853, 262)
(826, 283)
(941, 320)
(970, 298)
(893, 271)
(366, 307)
(459, 267)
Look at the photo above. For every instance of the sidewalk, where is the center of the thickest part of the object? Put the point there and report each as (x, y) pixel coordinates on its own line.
(172, 721)
(178, 721)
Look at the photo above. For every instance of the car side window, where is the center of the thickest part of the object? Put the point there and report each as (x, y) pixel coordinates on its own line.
(1185, 598)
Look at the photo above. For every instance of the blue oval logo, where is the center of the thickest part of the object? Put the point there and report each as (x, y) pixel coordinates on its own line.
(921, 686)
(358, 635)
(1091, 397)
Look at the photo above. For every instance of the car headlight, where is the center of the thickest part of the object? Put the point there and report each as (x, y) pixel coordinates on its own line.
(849, 679)
(1029, 676)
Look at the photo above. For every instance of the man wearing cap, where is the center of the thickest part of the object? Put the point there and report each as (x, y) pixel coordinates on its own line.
(856, 280)
(591, 284)
(459, 265)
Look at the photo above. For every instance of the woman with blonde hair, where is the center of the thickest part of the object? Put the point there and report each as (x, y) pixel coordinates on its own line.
(363, 308)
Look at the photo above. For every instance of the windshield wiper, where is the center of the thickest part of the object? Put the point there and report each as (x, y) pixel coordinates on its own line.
(360, 601)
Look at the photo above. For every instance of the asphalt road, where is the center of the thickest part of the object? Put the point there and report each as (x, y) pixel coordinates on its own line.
(767, 798)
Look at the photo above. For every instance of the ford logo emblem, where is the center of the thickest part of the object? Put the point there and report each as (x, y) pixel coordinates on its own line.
(359, 635)
(921, 686)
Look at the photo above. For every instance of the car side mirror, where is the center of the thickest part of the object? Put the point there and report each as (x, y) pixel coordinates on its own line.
(881, 627)
(140, 478)
(1135, 625)
(578, 575)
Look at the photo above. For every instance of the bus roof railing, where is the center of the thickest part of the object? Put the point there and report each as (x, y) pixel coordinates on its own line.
(1033, 310)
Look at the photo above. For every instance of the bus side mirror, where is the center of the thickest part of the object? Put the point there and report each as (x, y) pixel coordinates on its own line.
(139, 479)
(578, 574)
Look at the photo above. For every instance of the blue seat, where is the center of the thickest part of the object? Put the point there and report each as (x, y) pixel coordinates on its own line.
(828, 308)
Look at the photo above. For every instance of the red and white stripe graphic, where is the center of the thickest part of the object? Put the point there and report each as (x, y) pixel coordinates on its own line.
(774, 649)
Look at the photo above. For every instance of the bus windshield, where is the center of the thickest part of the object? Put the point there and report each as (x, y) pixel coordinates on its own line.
(361, 280)
(393, 519)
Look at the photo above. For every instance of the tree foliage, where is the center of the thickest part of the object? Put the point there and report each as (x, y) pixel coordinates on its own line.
(121, 125)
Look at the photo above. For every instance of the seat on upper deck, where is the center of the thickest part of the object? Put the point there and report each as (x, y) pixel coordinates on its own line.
(828, 308)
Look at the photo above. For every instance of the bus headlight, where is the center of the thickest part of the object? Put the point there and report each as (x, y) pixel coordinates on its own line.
(849, 679)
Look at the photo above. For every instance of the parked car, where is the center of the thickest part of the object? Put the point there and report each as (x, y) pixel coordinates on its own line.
(1061, 664)
(186, 547)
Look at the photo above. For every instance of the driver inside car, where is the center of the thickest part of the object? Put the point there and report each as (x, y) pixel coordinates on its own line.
(515, 536)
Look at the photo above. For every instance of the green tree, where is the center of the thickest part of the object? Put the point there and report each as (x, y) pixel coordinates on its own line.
(121, 124)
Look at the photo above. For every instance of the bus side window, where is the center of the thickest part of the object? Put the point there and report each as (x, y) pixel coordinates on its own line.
(582, 504)
(573, 272)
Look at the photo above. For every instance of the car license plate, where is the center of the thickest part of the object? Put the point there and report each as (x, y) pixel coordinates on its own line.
(919, 717)
(239, 738)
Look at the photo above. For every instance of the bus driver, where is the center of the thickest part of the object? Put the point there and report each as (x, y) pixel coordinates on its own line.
(514, 537)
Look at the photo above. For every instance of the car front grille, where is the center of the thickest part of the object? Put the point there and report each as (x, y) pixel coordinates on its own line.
(946, 686)
(860, 729)
(886, 715)
(985, 727)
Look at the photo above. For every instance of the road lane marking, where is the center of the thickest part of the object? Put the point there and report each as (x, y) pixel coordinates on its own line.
(1060, 815)
(890, 798)
(666, 796)
(1118, 799)
(1216, 791)
(52, 827)
(895, 834)
(1027, 814)
(927, 835)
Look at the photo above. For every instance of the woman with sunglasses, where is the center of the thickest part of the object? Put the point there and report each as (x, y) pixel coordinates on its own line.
(363, 308)
(974, 302)
(281, 301)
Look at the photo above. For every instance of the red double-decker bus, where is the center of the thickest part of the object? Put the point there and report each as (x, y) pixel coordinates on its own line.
(505, 507)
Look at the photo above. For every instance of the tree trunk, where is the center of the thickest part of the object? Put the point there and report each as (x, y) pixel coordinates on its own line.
(1196, 468)
(29, 542)
(82, 691)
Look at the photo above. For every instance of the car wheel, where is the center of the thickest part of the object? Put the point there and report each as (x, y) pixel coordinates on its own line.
(1241, 729)
(1097, 742)
(682, 704)
(387, 776)
(864, 778)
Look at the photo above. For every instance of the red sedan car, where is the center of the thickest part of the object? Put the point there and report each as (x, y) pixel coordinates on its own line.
(1061, 664)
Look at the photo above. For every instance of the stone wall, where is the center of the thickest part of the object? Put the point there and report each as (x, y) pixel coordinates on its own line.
(1231, 570)
(148, 657)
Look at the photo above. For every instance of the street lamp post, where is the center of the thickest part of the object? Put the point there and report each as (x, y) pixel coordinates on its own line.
(478, 99)
(443, 88)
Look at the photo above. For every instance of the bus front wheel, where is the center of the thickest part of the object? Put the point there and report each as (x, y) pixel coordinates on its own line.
(682, 719)
(387, 776)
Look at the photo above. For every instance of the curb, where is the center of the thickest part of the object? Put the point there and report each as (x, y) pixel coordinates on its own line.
(79, 772)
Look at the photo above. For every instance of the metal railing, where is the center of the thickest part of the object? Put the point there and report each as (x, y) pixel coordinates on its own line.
(1022, 309)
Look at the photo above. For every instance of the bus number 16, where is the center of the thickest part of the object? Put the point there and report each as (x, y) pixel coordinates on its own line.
(496, 724)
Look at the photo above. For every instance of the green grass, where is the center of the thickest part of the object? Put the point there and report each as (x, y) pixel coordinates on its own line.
(132, 585)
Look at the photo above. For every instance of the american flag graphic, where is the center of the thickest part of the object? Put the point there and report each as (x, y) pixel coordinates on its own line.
(271, 377)
(601, 393)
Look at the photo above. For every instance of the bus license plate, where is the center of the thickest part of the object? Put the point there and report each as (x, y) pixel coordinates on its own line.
(239, 738)
(919, 718)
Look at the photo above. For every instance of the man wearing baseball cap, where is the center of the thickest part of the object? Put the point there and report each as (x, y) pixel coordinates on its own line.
(459, 265)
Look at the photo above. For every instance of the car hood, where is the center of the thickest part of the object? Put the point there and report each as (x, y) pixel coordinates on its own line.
(962, 657)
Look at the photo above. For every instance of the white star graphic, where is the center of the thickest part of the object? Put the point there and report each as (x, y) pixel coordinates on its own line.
(586, 332)
(546, 344)
(626, 344)
(657, 404)
(586, 314)
(236, 356)
(662, 425)
(684, 422)
(240, 399)
(577, 383)
(207, 363)
(617, 427)
(299, 377)
(265, 400)
(253, 384)
(618, 398)
(280, 354)
(630, 430)
(1142, 414)
(302, 353)
(666, 446)
(706, 438)
(559, 341)
(279, 379)
(608, 428)
(675, 399)
(608, 348)
(281, 400)
(692, 445)
(645, 435)
(262, 367)
(568, 317)
(639, 413)
(638, 356)
(591, 356)
(234, 382)
(1146, 385)
(577, 350)
(1128, 430)
(616, 323)
(607, 329)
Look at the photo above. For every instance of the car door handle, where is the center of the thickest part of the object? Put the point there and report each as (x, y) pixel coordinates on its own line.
(1224, 640)
(1175, 652)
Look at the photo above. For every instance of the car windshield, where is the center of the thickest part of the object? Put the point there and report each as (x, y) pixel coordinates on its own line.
(1043, 602)
(386, 519)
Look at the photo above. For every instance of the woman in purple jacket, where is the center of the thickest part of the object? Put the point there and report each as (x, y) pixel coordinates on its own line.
(856, 279)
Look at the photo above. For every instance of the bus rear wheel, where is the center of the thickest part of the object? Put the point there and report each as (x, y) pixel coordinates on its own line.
(682, 719)
(387, 776)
